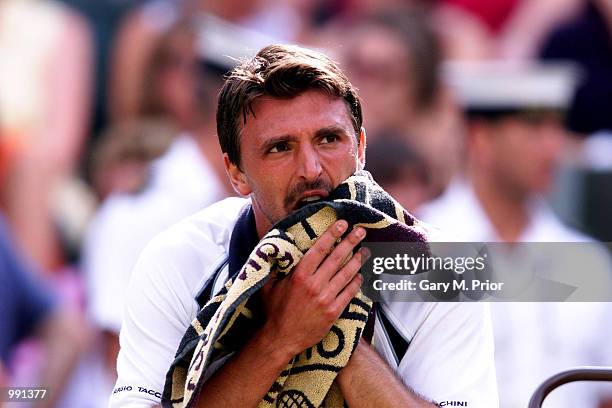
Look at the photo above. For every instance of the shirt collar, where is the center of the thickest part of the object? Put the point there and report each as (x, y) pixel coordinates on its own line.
(243, 240)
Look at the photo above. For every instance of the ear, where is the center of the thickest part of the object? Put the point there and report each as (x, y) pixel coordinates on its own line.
(236, 176)
(361, 148)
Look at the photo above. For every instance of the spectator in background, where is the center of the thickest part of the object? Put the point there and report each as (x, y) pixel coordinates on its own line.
(154, 95)
(514, 143)
(44, 106)
(400, 171)
(121, 158)
(393, 58)
(585, 40)
(504, 29)
(3, 381)
(27, 308)
(527, 27)
(104, 17)
(150, 71)
(187, 178)
(154, 73)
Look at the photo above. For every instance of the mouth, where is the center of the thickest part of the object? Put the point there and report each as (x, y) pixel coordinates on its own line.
(309, 198)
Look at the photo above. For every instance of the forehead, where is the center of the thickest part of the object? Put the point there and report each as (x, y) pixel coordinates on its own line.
(304, 114)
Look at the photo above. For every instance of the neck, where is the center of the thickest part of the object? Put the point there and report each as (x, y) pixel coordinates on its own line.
(505, 207)
(262, 223)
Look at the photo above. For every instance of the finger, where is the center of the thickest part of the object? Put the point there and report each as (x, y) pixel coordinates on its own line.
(334, 261)
(348, 272)
(348, 293)
(322, 247)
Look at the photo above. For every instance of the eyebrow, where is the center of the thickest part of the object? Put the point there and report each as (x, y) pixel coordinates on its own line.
(327, 130)
(332, 129)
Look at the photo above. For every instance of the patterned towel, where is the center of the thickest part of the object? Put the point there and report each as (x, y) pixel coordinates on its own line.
(225, 323)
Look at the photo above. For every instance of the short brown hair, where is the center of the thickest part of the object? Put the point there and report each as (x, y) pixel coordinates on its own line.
(280, 71)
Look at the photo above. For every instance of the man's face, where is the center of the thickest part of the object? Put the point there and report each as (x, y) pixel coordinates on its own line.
(525, 153)
(379, 65)
(292, 151)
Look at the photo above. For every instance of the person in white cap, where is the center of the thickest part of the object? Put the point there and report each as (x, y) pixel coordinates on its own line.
(514, 142)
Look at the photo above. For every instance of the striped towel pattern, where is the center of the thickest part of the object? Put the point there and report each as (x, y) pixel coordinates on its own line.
(227, 321)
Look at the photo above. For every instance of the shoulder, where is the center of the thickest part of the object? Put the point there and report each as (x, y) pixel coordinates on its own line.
(212, 225)
(412, 318)
(186, 253)
(162, 296)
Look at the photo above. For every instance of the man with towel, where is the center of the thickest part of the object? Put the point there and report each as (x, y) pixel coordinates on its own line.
(289, 124)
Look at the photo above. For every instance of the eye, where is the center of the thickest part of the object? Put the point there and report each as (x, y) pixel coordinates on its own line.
(329, 138)
(279, 147)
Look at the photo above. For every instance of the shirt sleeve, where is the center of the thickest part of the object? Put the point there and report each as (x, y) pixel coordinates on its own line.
(157, 313)
(450, 358)
(159, 308)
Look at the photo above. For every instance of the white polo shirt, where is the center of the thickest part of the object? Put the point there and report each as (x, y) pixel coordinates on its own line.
(535, 340)
(443, 351)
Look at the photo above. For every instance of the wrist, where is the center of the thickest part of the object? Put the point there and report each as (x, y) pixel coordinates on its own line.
(344, 376)
(266, 343)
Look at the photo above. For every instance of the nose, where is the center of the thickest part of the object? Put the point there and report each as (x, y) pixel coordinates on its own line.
(309, 163)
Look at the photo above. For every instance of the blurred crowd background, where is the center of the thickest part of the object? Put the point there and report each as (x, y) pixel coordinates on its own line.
(489, 119)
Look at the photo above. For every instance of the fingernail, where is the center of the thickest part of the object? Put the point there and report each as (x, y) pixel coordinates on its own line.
(341, 226)
(361, 232)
